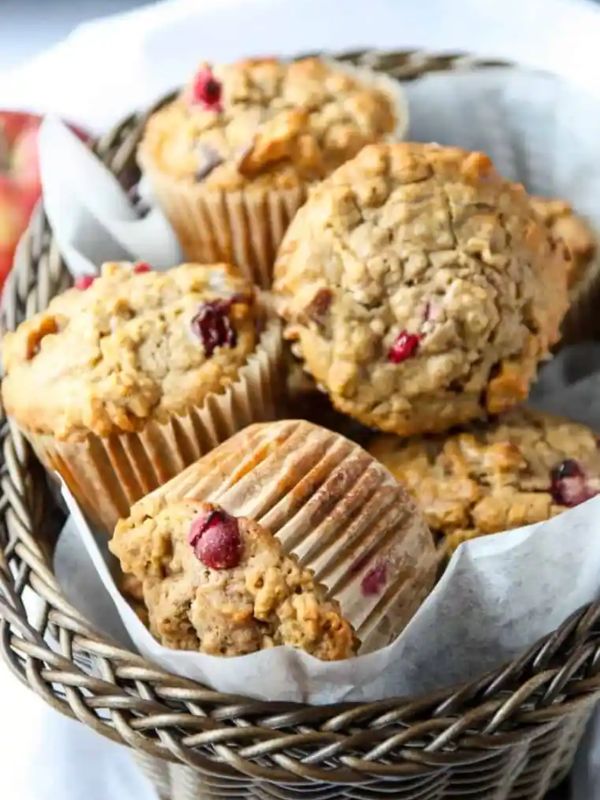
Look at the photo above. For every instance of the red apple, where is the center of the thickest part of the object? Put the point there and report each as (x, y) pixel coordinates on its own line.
(19, 180)
(25, 163)
(20, 186)
(14, 215)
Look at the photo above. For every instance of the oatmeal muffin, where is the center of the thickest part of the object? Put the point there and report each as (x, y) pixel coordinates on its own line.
(522, 468)
(420, 288)
(222, 585)
(126, 379)
(330, 504)
(231, 157)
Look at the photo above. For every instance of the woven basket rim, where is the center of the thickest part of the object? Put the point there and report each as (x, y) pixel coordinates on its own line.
(116, 692)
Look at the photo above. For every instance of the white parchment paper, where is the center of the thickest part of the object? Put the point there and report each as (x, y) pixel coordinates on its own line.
(499, 594)
(92, 217)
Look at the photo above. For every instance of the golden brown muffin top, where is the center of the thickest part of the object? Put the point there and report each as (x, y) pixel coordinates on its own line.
(268, 121)
(134, 344)
(222, 585)
(522, 468)
(420, 288)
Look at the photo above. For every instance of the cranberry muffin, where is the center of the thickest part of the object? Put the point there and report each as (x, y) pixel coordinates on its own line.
(522, 468)
(126, 379)
(231, 157)
(331, 505)
(221, 585)
(420, 288)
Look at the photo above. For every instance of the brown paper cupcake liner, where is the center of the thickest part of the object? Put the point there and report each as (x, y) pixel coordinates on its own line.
(244, 227)
(332, 505)
(108, 474)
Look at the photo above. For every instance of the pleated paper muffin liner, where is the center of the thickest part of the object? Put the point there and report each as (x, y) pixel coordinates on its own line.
(246, 225)
(108, 474)
(331, 504)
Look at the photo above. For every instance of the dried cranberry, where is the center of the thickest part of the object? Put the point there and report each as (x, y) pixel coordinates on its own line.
(569, 468)
(141, 266)
(405, 346)
(83, 282)
(568, 484)
(215, 537)
(207, 90)
(375, 580)
(213, 327)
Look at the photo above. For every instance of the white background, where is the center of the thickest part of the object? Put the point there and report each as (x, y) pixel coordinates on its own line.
(102, 72)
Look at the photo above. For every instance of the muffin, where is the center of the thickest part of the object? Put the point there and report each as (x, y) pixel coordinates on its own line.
(522, 468)
(420, 288)
(331, 506)
(222, 585)
(126, 379)
(231, 157)
(584, 266)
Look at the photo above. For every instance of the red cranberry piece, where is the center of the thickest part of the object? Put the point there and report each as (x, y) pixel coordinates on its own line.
(83, 282)
(405, 346)
(568, 484)
(141, 266)
(375, 580)
(569, 468)
(215, 537)
(207, 90)
(213, 327)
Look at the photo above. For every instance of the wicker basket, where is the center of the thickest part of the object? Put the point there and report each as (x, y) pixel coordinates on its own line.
(510, 734)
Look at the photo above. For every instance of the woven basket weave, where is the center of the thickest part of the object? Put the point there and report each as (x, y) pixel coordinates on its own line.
(510, 734)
